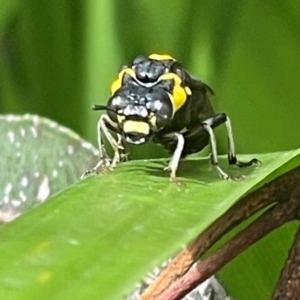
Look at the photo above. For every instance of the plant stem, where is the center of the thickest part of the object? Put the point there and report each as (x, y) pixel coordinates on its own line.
(288, 285)
(273, 218)
(275, 191)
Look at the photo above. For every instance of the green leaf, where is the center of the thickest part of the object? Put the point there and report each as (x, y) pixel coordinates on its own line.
(38, 158)
(99, 237)
(7, 9)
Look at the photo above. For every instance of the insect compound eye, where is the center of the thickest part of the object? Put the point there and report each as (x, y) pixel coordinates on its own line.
(139, 60)
(148, 70)
(114, 105)
(161, 109)
(129, 80)
(177, 69)
(180, 73)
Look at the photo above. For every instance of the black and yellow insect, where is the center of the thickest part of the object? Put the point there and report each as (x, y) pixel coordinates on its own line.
(155, 99)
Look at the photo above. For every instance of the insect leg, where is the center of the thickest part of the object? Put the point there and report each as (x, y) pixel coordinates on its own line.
(105, 162)
(102, 126)
(208, 125)
(231, 149)
(174, 162)
(117, 155)
(214, 122)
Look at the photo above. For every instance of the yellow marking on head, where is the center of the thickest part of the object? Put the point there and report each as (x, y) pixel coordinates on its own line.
(120, 119)
(179, 93)
(152, 121)
(118, 82)
(136, 126)
(161, 57)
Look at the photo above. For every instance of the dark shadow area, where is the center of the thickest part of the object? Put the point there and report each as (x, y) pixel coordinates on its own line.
(195, 170)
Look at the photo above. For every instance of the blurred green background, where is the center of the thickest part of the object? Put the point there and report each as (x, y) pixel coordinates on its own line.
(59, 57)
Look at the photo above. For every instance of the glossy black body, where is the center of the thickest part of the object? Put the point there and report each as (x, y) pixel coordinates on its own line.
(146, 88)
(187, 120)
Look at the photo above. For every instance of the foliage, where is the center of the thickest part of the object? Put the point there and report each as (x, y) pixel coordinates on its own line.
(99, 237)
(57, 58)
(33, 167)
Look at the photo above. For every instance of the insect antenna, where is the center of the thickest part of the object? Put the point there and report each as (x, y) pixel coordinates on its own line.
(99, 107)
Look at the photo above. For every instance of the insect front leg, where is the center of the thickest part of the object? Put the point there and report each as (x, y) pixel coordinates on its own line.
(174, 162)
(120, 154)
(105, 161)
(103, 125)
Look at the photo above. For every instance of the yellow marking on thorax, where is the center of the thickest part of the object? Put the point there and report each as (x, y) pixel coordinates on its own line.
(118, 82)
(188, 90)
(179, 93)
(161, 57)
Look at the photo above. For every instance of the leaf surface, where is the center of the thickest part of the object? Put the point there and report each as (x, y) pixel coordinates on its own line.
(99, 237)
